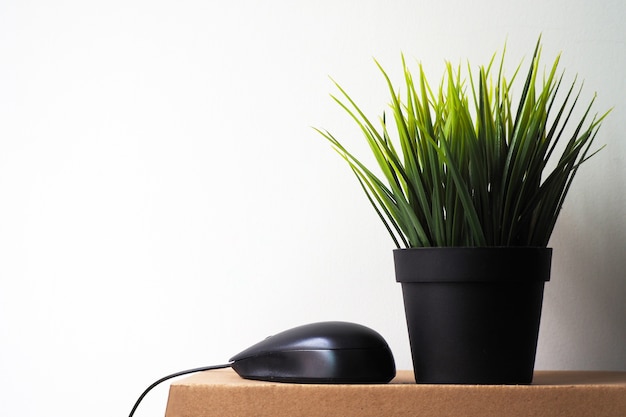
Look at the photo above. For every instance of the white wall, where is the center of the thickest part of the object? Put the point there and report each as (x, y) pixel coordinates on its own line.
(164, 202)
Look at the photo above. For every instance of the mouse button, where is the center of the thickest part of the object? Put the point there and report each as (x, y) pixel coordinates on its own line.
(270, 345)
(331, 335)
(299, 338)
(317, 336)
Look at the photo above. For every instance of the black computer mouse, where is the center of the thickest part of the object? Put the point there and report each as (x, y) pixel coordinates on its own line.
(320, 353)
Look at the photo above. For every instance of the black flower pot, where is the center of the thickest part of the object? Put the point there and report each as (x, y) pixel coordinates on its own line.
(473, 313)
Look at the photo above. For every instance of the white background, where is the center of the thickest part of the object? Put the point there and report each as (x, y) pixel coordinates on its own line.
(165, 203)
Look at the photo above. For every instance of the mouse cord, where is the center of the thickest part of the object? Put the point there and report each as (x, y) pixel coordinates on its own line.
(174, 375)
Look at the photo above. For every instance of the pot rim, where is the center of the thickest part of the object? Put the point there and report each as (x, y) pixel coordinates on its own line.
(473, 264)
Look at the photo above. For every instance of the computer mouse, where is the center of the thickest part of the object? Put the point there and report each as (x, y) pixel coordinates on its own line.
(331, 352)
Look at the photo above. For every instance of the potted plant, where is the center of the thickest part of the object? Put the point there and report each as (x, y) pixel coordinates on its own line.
(469, 186)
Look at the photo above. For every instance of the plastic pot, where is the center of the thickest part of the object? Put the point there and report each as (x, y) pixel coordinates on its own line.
(473, 314)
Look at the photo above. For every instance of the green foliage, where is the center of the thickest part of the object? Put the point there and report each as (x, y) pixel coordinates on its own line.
(470, 169)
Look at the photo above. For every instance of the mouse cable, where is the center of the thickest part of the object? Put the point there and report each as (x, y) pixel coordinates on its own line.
(174, 375)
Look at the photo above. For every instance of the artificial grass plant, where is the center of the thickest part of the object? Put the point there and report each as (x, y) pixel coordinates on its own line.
(465, 166)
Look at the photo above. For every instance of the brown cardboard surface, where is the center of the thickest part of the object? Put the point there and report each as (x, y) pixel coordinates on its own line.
(553, 394)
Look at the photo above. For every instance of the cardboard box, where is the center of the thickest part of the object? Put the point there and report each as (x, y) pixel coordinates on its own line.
(553, 394)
